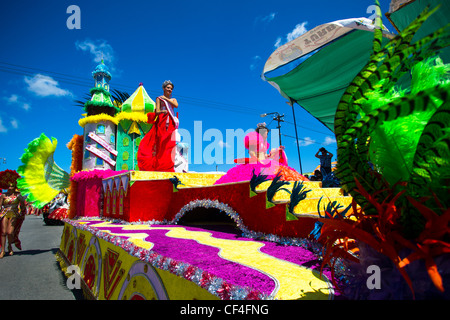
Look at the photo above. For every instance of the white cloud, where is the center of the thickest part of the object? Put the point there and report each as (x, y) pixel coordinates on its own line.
(255, 61)
(277, 43)
(329, 140)
(45, 86)
(306, 141)
(295, 33)
(14, 123)
(265, 19)
(2, 127)
(14, 99)
(99, 49)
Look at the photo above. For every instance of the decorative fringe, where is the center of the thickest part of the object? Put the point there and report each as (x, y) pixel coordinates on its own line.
(133, 116)
(139, 117)
(76, 145)
(100, 90)
(97, 118)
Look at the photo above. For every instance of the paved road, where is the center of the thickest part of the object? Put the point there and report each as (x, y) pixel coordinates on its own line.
(33, 273)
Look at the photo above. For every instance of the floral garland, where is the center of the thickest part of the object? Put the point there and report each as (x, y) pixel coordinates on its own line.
(202, 278)
(340, 267)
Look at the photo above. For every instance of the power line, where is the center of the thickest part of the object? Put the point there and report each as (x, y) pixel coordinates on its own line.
(24, 67)
(327, 133)
(74, 80)
(83, 82)
(305, 140)
(183, 99)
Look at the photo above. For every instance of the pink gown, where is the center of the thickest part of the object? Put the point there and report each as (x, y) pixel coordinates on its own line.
(268, 166)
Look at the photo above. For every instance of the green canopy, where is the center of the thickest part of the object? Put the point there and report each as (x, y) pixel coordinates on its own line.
(314, 69)
(402, 12)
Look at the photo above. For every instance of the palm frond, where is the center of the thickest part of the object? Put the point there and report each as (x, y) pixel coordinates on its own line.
(276, 186)
(330, 181)
(176, 182)
(119, 96)
(299, 193)
(81, 103)
(256, 180)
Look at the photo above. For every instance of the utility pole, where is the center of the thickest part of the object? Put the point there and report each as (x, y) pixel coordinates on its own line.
(291, 103)
(279, 118)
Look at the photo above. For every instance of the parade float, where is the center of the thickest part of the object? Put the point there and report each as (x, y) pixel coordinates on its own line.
(173, 235)
(135, 234)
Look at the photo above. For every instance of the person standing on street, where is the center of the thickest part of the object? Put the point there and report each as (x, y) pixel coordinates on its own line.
(13, 209)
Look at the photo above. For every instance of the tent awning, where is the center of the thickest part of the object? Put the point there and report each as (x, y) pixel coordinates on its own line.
(403, 12)
(314, 69)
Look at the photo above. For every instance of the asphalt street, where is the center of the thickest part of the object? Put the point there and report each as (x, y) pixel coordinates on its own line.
(33, 273)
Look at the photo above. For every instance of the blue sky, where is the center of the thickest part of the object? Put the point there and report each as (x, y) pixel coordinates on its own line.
(213, 51)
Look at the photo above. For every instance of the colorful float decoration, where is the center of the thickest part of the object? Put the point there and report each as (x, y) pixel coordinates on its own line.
(133, 235)
(181, 235)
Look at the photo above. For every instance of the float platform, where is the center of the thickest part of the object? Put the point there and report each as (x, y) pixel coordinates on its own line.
(125, 261)
(142, 235)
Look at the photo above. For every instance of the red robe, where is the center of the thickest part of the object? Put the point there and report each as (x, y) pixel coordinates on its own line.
(157, 149)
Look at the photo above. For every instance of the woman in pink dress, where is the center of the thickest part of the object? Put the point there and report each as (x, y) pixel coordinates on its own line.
(261, 160)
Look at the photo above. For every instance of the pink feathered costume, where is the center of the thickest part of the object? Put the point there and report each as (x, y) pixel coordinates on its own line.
(270, 166)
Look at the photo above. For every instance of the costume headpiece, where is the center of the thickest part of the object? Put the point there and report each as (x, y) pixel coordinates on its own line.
(166, 83)
(262, 125)
(7, 178)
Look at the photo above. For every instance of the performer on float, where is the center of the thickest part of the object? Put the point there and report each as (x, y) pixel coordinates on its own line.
(157, 149)
(261, 161)
(257, 145)
(13, 209)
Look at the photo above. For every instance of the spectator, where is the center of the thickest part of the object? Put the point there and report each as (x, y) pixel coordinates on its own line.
(325, 161)
(317, 176)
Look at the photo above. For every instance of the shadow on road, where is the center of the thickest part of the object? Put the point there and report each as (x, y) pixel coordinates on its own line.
(35, 251)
